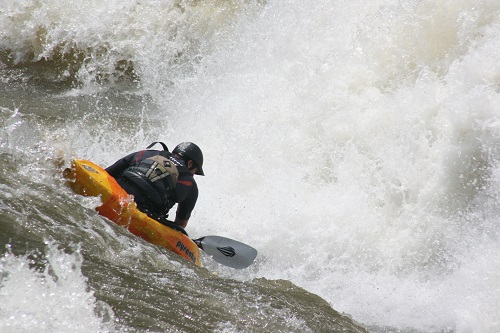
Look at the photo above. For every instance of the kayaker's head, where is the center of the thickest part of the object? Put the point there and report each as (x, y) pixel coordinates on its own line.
(192, 155)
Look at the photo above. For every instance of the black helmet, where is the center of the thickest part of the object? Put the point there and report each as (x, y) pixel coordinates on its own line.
(193, 152)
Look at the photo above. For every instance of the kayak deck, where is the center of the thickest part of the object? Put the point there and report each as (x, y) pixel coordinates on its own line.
(88, 179)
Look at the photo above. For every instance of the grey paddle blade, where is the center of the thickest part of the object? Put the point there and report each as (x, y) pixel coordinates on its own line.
(227, 251)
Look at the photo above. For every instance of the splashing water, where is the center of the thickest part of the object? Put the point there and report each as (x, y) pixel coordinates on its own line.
(354, 145)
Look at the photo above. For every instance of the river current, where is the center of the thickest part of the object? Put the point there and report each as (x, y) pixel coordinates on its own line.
(354, 144)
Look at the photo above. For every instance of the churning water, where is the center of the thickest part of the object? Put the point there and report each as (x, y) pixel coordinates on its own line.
(355, 144)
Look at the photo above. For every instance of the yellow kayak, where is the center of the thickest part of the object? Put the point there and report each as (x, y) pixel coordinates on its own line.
(89, 179)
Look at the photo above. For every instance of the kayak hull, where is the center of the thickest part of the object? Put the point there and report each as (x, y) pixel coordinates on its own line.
(88, 179)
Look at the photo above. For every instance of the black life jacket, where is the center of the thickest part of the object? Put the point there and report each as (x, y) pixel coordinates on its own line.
(155, 177)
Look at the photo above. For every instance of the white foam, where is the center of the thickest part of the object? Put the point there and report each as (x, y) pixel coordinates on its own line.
(354, 145)
(56, 299)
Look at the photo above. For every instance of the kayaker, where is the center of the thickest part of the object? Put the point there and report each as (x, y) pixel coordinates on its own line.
(154, 195)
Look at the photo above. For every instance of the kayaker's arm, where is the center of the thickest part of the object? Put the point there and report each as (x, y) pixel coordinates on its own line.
(119, 166)
(180, 222)
(186, 192)
(183, 213)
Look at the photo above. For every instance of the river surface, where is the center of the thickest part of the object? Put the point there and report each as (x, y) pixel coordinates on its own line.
(354, 144)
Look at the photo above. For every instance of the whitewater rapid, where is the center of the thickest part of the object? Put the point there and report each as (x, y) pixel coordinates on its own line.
(354, 144)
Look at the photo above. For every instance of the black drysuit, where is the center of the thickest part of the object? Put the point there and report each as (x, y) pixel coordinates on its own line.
(186, 189)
